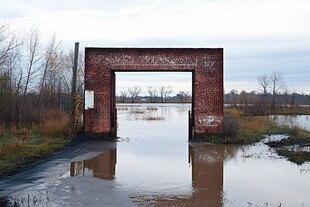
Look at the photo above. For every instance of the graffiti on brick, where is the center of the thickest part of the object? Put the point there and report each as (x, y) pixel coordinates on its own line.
(210, 120)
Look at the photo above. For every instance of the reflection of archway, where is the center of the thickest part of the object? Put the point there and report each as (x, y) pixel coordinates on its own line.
(207, 161)
(207, 174)
(102, 166)
(205, 64)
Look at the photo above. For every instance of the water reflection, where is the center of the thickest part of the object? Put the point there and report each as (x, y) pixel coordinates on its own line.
(207, 164)
(207, 167)
(101, 166)
(293, 120)
(207, 174)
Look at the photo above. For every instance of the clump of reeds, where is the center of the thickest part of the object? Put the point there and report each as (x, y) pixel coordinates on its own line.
(137, 111)
(152, 108)
(153, 118)
(122, 108)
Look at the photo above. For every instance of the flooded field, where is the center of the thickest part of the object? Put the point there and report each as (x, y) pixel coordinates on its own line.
(152, 164)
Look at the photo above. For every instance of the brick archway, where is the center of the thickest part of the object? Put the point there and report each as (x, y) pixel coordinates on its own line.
(101, 64)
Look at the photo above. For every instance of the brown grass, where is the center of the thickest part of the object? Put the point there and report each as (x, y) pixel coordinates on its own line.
(54, 123)
(233, 112)
(254, 124)
(11, 146)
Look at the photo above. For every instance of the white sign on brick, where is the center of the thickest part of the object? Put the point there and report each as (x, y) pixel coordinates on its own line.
(89, 99)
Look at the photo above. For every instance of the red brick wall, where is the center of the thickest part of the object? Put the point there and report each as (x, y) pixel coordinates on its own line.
(206, 64)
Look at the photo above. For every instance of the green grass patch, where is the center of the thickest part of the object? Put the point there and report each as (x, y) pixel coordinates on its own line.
(15, 153)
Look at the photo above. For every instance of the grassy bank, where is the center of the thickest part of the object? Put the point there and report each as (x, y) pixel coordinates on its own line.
(295, 147)
(241, 129)
(21, 147)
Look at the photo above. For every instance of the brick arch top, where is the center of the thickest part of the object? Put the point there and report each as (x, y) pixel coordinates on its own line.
(206, 65)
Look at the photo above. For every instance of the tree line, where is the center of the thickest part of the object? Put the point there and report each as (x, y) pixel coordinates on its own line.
(273, 96)
(34, 77)
(155, 95)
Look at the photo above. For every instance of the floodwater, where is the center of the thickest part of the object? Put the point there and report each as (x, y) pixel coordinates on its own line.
(153, 164)
(302, 121)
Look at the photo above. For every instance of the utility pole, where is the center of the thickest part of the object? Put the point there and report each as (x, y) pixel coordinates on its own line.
(75, 63)
(75, 98)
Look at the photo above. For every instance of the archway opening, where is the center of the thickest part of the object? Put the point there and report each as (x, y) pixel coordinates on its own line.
(153, 103)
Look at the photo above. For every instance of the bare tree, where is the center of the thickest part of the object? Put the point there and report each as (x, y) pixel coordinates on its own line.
(233, 95)
(134, 93)
(276, 83)
(167, 92)
(152, 93)
(123, 96)
(162, 90)
(264, 82)
(51, 49)
(10, 74)
(67, 75)
(33, 57)
(9, 41)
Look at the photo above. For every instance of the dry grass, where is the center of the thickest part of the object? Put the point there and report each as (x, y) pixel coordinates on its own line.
(20, 147)
(54, 123)
(233, 112)
(256, 124)
(11, 146)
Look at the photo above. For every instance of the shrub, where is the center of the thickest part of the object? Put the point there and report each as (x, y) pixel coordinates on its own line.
(230, 126)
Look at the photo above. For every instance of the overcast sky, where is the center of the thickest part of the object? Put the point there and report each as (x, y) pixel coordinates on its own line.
(258, 36)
